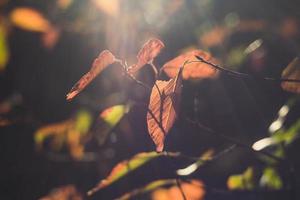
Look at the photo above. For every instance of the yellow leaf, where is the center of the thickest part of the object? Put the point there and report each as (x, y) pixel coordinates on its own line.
(123, 168)
(163, 108)
(29, 19)
(113, 115)
(4, 51)
(104, 59)
(243, 181)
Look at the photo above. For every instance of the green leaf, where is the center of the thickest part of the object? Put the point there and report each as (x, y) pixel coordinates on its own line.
(123, 168)
(148, 188)
(114, 114)
(271, 179)
(288, 136)
(205, 157)
(4, 51)
(244, 181)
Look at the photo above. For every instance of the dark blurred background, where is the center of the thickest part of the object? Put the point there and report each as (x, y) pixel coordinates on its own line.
(43, 65)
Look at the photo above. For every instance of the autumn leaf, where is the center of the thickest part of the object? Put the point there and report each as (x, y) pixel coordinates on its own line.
(67, 192)
(123, 168)
(146, 55)
(104, 59)
(292, 71)
(193, 70)
(193, 190)
(163, 108)
(29, 19)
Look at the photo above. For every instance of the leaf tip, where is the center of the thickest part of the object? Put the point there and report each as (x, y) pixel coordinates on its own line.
(71, 95)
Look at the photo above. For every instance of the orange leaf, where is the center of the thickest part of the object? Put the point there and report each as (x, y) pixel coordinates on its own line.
(68, 192)
(146, 55)
(104, 59)
(194, 70)
(292, 71)
(29, 19)
(163, 108)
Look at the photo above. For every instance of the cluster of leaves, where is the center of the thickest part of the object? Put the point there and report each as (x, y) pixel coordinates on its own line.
(162, 111)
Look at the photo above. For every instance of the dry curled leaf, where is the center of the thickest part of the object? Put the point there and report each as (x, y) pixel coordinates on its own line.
(194, 70)
(29, 19)
(146, 55)
(104, 59)
(123, 168)
(163, 108)
(292, 71)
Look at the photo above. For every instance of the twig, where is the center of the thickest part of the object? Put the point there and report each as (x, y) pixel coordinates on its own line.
(244, 75)
(180, 189)
(233, 141)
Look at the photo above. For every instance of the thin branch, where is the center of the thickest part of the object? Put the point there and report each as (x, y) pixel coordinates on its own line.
(243, 75)
(234, 141)
(180, 188)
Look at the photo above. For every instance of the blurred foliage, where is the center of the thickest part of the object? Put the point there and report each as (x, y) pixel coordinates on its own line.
(123, 168)
(71, 133)
(244, 181)
(67, 192)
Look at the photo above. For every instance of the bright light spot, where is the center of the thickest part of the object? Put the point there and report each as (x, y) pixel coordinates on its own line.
(263, 143)
(283, 111)
(276, 125)
(188, 170)
(253, 46)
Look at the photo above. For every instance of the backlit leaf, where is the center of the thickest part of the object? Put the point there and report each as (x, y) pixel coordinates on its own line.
(149, 187)
(270, 179)
(146, 55)
(244, 181)
(207, 156)
(68, 192)
(163, 108)
(123, 168)
(193, 190)
(104, 59)
(194, 70)
(29, 19)
(4, 51)
(108, 119)
(292, 71)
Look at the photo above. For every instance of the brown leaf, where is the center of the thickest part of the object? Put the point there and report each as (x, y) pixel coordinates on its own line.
(163, 108)
(292, 71)
(146, 55)
(194, 70)
(104, 59)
